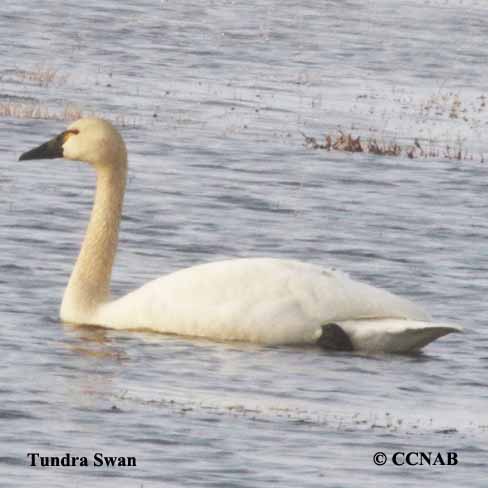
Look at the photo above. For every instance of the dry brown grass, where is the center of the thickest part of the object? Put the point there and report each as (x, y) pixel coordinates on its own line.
(454, 152)
(38, 111)
(69, 113)
(41, 75)
(450, 104)
(347, 143)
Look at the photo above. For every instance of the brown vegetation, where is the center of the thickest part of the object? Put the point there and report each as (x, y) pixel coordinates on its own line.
(38, 111)
(68, 113)
(41, 75)
(451, 105)
(28, 108)
(347, 143)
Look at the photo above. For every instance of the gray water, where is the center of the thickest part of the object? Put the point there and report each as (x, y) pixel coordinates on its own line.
(211, 98)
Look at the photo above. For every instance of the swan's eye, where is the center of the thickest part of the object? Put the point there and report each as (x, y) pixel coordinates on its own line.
(68, 133)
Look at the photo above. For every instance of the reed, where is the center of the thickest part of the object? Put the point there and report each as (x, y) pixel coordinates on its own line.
(346, 142)
(69, 113)
(20, 110)
(41, 75)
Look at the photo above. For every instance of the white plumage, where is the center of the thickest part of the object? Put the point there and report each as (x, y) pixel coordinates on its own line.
(261, 300)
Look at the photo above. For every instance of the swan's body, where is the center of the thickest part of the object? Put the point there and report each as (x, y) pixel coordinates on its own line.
(261, 300)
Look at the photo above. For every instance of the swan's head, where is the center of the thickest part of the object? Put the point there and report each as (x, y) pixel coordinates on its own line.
(92, 140)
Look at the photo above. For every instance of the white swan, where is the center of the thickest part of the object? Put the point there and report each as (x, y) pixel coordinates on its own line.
(268, 301)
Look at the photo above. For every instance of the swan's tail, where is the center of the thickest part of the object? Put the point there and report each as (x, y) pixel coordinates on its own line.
(393, 335)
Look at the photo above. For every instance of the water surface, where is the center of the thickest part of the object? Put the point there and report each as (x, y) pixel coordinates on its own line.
(211, 99)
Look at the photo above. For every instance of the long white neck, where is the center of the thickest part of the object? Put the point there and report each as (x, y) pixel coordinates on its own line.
(89, 284)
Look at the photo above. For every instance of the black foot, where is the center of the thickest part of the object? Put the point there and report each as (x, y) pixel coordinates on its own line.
(334, 338)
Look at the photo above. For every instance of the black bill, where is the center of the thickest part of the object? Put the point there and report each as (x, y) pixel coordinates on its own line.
(49, 150)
